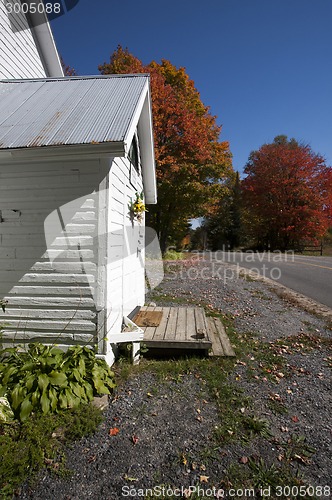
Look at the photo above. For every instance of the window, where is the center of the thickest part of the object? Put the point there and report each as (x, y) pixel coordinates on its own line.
(134, 154)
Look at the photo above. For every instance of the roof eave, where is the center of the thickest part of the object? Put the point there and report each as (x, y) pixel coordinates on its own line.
(142, 119)
(100, 150)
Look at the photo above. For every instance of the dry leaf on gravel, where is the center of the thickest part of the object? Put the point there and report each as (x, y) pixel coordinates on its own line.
(114, 431)
(204, 479)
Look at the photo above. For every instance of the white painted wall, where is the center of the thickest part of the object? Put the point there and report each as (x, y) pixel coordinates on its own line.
(19, 56)
(50, 301)
(125, 270)
(59, 276)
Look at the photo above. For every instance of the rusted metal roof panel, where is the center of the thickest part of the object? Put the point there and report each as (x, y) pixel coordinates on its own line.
(68, 111)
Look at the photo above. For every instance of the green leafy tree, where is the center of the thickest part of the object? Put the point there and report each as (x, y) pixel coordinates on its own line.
(224, 224)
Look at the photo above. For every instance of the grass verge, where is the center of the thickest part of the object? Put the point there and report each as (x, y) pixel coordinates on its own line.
(40, 442)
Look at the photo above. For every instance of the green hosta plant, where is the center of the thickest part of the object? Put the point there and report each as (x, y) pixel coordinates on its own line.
(6, 413)
(47, 379)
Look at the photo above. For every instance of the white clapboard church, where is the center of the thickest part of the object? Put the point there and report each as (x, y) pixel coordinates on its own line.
(74, 151)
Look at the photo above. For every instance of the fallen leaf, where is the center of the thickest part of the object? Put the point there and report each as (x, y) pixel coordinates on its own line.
(204, 479)
(244, 460)
(134, 439)
(295, 418)
(199, 418)
(284, 429)
(202, 467)
(280, 457)
(114, 431)
(198, 410)
(129, 478)
(301, 459)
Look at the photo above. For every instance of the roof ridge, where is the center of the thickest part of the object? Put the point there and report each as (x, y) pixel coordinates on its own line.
(86, 77)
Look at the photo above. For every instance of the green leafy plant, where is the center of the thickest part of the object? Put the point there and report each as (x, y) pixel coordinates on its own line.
(47, 379)
(172, 254)
(6, 413)
(257, 426)
(263, 475)
(296, 448)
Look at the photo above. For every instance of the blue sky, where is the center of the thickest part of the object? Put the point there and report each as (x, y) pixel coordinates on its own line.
(263, 66)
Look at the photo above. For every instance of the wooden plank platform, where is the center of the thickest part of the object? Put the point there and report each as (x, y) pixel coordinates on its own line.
(179, 328)
(187, 328)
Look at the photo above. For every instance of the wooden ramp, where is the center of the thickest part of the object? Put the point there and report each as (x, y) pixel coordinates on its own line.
(184, 328)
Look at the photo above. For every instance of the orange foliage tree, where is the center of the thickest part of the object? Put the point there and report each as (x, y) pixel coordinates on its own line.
(68, 70)
(287, 194)
(192, 164)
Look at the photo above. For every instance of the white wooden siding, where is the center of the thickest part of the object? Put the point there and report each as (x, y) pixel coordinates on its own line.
(53, 301)
(19, 56)
(125, 270)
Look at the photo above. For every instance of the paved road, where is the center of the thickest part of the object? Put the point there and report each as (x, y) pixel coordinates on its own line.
(311, 276)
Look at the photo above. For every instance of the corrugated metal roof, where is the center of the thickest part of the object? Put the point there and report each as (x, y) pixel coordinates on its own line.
(68, 111)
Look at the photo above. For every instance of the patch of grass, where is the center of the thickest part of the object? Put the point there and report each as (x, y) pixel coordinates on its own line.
(261, 295)
(263, 475)
(297, 449)
(302, 342)
(258, 426)
(309, 325)
(277, 407)
(40, 442)
(161, 298)
(262, 480)
(214, 375)
(247, 277)
(270, 477)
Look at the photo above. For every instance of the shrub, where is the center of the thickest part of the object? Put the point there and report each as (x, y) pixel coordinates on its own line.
(47, 379)
(173, 255)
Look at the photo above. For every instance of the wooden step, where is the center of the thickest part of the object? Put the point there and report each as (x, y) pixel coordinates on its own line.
(221, 345)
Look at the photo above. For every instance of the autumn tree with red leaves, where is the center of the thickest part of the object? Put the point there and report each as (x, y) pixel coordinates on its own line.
(67, 70)
(192, 164)
(287, 194)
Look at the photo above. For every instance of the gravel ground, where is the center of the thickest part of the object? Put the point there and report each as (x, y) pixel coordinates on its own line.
(158, 420)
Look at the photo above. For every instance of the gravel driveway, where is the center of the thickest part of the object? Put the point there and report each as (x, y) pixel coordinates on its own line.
(165, 427)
